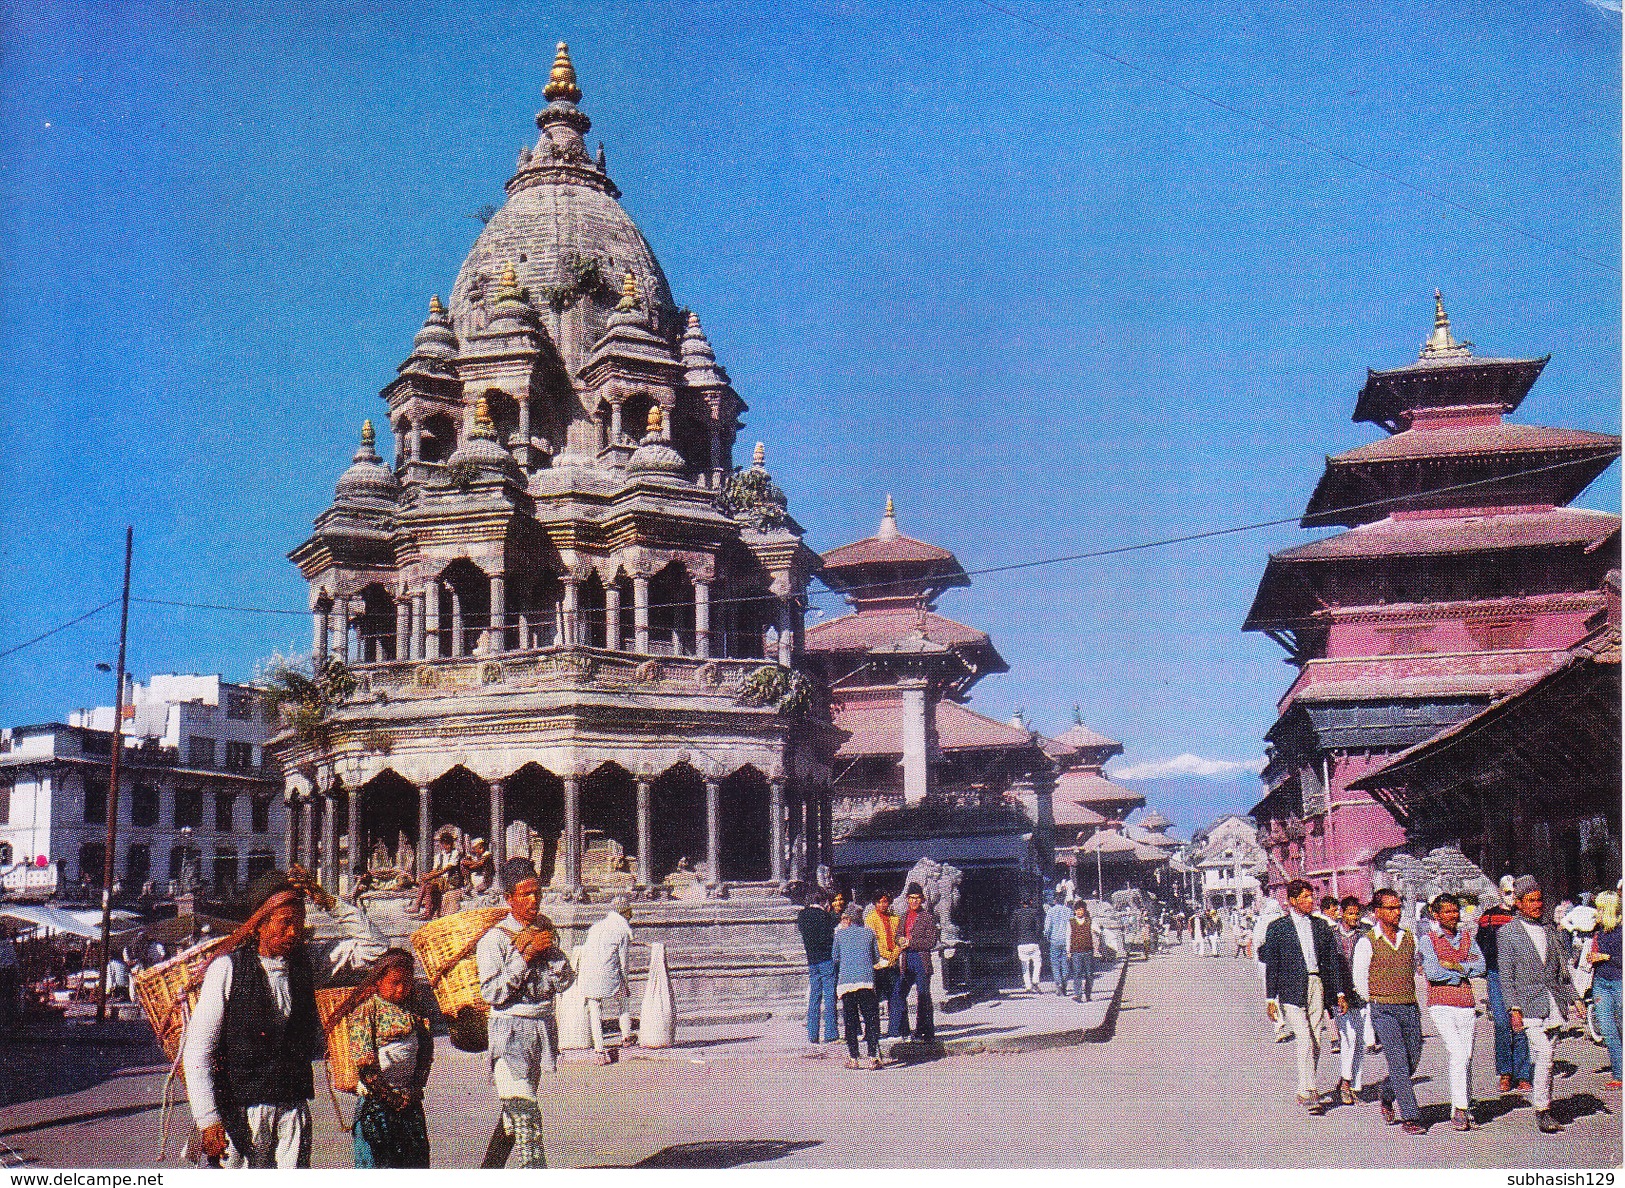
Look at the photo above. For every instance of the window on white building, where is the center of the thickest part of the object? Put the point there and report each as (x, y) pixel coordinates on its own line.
(199, 751)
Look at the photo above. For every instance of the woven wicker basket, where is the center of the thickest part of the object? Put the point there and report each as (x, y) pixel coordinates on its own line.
(340, 1068)
(159, 990)
(446, 948)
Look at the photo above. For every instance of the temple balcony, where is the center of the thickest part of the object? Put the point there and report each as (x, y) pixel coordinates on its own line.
(554, 668)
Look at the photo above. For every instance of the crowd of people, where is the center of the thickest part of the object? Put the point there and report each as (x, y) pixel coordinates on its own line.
(1355, 967)
(861, 960)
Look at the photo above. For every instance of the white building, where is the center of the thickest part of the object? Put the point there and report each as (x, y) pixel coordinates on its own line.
(1231, 862)
(195, 795)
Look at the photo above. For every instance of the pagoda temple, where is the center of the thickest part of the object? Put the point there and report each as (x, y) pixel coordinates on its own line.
(573, 626)
(1462, 575)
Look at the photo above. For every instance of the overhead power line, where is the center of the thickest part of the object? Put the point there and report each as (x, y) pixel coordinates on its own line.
(1009, 567)
(27, 643)
(1299, 139)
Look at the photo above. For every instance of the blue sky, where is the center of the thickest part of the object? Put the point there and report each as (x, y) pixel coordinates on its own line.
(1051, 303)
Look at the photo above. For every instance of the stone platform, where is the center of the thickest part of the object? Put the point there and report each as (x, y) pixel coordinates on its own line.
(730, 960)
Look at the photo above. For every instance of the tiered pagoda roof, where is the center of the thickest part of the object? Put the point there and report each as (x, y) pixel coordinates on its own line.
(893, 582)
(1452, 479)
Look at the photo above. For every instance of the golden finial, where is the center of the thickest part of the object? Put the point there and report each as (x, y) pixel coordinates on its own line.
(1441, 344)
(510, 279)
(482, 419)
(561, 83)
(758, 456)
(629, 293)
(435, 308)
(888, 522)
(656, 420)
(368, 437)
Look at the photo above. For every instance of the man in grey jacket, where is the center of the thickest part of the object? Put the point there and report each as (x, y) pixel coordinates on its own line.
(1536, 983)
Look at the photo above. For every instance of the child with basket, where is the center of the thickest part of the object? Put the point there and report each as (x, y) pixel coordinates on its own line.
(392, 1049)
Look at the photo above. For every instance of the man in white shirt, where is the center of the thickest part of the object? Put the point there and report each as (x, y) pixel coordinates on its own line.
(251, 1037)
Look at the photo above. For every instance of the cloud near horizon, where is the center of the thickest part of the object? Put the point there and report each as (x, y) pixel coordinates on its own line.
(1186, 765)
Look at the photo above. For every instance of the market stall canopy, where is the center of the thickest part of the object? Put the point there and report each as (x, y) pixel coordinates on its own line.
(55, 919)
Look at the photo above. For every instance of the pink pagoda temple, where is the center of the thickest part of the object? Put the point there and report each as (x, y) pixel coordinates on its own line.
(1462, 574)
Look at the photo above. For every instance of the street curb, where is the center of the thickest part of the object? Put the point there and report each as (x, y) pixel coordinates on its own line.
(1049, 1039)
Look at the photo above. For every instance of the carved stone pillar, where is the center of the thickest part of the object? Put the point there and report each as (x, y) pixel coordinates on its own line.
(572, 832)
(290, 831)
(713, 833)
(352, 831)
(431, 620)
(646, 858)
(615, 431)
(318, 636)
(612, 616)
(403, 627)
(341, 627)
(717, 463)
(826, 827)
(702, 620)
(572, 610)
(499, 831)
(640, 614)
(418, 634)
(775, 808)
(787, 632)
(496, 638)
(307, 833)
(415, 441)
(521, 447)
(458, 638)
(330, 842)
(425, 842)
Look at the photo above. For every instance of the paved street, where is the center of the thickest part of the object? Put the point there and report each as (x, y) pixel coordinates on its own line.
(1191, 1078)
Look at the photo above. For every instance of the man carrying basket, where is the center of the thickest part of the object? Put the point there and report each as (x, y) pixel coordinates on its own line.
(255, 1028)
(521, 973)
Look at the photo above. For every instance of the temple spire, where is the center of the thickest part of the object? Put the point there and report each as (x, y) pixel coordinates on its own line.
(369, 437)
(629, 293)
(888, 522)
(561, 82)
(1440, 344)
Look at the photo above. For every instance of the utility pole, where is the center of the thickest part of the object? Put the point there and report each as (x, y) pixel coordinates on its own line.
(112, 783)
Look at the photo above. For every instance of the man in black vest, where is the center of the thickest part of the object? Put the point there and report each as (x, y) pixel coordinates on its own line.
(255, 1029)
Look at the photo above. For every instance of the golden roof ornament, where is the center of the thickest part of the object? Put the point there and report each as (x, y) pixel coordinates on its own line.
(1440, 344)
(656, 420)
(888, 522)
(758, 456)
(482, 420)
(435, 308)
(561, 82)
(369, 437)
(629, 293)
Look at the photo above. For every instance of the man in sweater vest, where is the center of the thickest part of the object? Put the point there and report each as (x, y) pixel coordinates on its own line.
(1385, 976)
(1451, 958)
(255, 1030)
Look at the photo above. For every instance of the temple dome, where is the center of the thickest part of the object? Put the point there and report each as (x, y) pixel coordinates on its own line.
(367, 479)
(561, 215)
(653, 455)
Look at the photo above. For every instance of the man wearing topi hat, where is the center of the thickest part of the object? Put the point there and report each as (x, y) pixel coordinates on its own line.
(1535, 981)
(521, 973)
(255, 1028)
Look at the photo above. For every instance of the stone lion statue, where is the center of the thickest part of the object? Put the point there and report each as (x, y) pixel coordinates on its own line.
(940, 882)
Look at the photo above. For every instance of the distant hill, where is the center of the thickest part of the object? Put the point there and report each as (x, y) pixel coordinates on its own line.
(1192, 802)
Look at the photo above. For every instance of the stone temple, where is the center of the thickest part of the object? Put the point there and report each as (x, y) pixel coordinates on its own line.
(574, 625)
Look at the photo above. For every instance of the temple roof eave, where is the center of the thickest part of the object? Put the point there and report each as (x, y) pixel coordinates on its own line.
(1437, 383)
